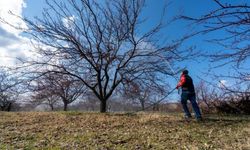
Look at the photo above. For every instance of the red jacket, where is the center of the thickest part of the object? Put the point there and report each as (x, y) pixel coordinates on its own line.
(181, 82)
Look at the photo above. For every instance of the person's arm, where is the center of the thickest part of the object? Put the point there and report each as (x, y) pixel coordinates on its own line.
(181, 82)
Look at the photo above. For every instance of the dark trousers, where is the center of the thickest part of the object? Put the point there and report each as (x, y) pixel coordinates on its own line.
(186, 95)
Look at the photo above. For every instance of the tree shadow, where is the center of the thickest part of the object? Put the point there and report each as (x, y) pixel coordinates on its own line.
(223, 121)
(129, 114)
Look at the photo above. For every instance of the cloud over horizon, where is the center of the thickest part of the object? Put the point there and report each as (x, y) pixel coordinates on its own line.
(12, 44)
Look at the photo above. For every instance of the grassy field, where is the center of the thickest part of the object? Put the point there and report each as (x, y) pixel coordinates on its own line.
(76, 130)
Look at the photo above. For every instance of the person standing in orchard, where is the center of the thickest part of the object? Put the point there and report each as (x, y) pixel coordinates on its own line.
(188, 93)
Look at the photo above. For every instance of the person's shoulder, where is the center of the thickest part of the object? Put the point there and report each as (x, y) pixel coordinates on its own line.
(183, 76)
(188, 76)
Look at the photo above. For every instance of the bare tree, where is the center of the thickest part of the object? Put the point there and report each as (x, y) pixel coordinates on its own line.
(53, 87)
(100, 44)
(207, 95)
(8, 90)
(136, 94)
(145, 93)
(90, 102)
(222, 97)
(45, 97)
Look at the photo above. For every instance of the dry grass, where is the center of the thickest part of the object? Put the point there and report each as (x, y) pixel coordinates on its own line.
(76, 130)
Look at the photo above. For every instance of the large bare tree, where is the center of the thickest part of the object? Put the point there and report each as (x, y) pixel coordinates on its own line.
(99, 43)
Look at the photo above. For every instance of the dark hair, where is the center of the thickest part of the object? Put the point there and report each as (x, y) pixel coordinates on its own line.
(185, 71)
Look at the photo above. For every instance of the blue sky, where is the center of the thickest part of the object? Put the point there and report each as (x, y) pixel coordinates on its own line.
(197, 66)
(195, 8)
(173, 31)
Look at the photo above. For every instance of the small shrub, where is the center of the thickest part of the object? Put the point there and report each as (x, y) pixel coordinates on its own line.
(240, 106)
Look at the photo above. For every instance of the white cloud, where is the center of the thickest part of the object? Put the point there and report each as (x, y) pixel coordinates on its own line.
(247, 78)
(69, 21)
(12, 44)
(223, 83)
(16, 7)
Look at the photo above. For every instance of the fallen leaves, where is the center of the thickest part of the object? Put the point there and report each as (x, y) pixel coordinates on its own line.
(78, 130)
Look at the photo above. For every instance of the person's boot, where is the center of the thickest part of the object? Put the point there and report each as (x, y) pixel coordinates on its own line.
(199, 119)
(188, 118)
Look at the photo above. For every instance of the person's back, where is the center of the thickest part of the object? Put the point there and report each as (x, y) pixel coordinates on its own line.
(188, 85)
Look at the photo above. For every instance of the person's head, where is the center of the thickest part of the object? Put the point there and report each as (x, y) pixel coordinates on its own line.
(185, 71)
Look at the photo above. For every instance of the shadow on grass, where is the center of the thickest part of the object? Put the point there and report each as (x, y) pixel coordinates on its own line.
(224, 120)
(218, 120)
(128, 114)
(77, 113)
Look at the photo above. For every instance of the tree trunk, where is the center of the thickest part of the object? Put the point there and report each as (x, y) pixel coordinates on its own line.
(142, 104)
(142, 107)
(2, 108)
(65, 107)
(9, 107)
(156, 107)
(103, 106)
(52, 107)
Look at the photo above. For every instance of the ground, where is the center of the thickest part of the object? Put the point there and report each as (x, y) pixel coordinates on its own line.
(121, 131)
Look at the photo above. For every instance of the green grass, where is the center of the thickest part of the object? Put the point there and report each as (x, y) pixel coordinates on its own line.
(121, 131)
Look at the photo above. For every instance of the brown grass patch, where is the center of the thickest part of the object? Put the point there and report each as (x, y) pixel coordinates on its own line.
(77, 130)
